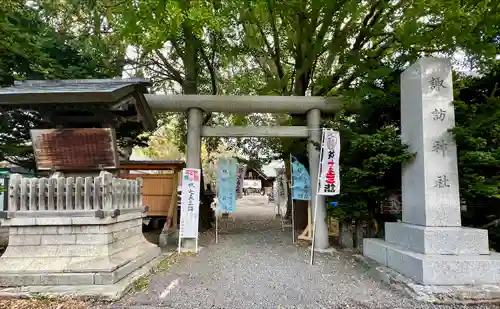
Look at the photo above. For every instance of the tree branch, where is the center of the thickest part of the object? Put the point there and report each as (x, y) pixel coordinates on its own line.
(166, 72)
(363, 33)
(494, 222)
(174, 72)
(211, 70)
(276, 39)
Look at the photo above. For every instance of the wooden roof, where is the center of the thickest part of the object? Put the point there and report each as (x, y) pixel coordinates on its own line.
(258, 171)
(83, 100)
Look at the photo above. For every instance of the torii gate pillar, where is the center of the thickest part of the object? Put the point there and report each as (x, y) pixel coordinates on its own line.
(194, 138)
(321, 229)
(194, 123)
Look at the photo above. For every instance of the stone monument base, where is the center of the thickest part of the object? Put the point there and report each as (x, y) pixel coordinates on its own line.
(437, 294)
(435, 269)
(436, 255)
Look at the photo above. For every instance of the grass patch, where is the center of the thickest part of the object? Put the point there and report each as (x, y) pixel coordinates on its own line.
(142, 283)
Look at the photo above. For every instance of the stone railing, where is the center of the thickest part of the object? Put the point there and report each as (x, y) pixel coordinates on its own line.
(99, 196)
(73, 231)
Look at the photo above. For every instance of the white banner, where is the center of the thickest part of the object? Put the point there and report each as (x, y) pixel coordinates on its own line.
(190, 203)
(240, 176)
(284, 181)
(329, 180)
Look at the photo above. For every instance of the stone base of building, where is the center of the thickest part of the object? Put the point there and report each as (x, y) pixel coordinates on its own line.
(105, 292)
(437, 294)
(77, 251)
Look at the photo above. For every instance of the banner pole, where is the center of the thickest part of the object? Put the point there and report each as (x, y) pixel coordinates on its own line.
(316, 199)
(217, 207)
(292, 203)
(217, 223)
(179, 246)
(278, 192)
(311, 262)
(279, 202)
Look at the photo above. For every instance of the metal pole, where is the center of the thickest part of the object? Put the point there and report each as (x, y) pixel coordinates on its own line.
(280, 182)
(278, 195)
(313, 230)
(316, 203)
(279, 209)
(179, 246)
(291, 194)
(216, 213)
(216, 226)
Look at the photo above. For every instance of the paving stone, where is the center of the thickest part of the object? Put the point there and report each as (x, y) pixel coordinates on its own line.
(53, 221)
(64, 230)
(58, 239)
(41, 265)
(67, 279)
(14, 265)
(20, 280)
(28, 230)
(24, 240)
(93, 239)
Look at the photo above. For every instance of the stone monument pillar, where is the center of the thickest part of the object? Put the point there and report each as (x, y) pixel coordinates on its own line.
(430, 246)
(321, 230)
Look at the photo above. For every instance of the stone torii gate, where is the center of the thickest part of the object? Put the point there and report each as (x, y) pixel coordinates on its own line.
(430, 246)
(194, 105)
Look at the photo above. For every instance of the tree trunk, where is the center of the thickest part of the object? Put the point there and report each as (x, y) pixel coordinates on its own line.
(300, 215)
(346, 236)
(360, 233)
(190, 86)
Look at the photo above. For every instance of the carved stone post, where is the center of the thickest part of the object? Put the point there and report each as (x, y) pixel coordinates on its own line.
(430, 246)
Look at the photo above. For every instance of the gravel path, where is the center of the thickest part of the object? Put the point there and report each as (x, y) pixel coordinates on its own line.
(255, 265)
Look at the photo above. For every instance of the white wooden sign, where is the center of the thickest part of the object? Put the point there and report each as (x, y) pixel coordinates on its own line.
(190, 203)
(251, 183)
(329, 180)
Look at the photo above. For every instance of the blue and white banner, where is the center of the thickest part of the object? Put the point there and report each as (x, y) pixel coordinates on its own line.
(301, 182)
(227, 176)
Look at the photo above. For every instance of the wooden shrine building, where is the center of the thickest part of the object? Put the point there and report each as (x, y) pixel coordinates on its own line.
(103, 103)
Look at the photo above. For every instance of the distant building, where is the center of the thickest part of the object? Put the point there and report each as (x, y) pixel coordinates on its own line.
(255, 179)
